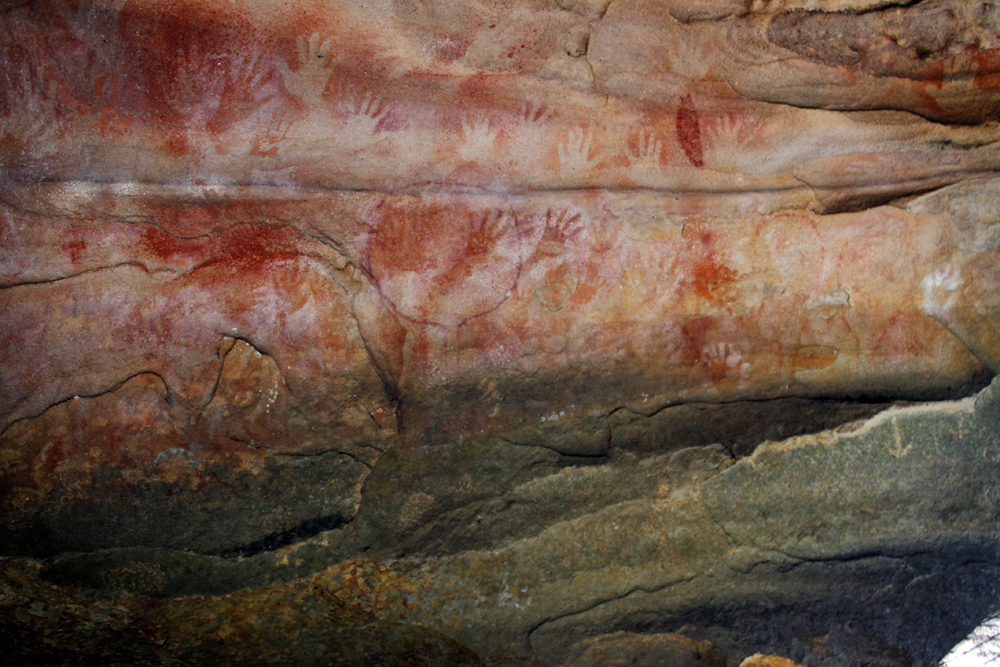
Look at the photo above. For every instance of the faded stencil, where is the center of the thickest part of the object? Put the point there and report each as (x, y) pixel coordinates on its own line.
(441, 266)
(964, 296)
(308, 82)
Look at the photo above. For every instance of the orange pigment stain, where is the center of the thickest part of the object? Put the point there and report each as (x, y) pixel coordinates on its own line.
(813, 357)
(710, 278)
(175, 143)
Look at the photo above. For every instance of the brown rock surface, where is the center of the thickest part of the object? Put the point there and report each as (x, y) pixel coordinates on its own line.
(627, 649)
(493, 304)
(759, 660)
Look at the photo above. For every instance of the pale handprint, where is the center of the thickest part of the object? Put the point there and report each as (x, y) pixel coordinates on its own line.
(724, 132)
(478, 140)
(725, 127)
(574, 155)
(644, 166)
(309, 81)
(369, 106)
(722, 353)
(363, 117)
(691, 56)
(731, 128)
(940, 291)
(973, 322)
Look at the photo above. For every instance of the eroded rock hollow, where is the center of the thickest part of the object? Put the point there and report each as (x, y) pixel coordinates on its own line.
(520, 332)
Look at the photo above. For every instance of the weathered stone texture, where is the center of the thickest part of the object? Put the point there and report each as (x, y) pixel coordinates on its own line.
(557, 332)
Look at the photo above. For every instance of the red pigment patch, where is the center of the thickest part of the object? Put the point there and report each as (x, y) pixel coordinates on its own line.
(481, 91)
(175, 143)
(689, 131)
(407, 239)
(189, 220)
(163, 246)
(695, 332)
(930, 103)
(244, 248)
(75, 246)
(710, 277)
(174, 59)
(449, 48)
(431, 262)
(111, 123)
(987, 68)
(905, 335)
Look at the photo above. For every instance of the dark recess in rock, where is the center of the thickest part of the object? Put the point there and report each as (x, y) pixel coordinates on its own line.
(304, 530)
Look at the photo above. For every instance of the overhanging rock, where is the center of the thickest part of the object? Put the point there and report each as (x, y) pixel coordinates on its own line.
(522, 330)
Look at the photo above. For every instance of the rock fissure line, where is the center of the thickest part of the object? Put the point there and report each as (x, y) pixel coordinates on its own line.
(168, 398)
(671, 196)
(416, 190)
(307, 455)
(638, 589)
(96, 269)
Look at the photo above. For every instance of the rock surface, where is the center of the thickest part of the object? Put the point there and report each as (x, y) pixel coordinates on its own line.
(759, 660)
(526, 332)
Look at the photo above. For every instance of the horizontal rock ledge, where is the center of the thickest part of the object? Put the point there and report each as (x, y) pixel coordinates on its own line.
(529, 332)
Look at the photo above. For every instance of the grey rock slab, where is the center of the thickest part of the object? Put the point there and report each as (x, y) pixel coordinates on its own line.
(492, 600)
(907, 476)
(920, 606)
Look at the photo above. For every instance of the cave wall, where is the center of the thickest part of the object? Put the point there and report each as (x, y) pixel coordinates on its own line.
(528, 331)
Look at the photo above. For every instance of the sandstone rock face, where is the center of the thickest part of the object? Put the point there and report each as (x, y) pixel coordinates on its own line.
(527, 332)
(624, 648)
(759, 660)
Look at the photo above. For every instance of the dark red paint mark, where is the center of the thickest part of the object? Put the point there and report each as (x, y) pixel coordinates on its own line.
(689, 131)
(695, 333)
(175, 143)
(391, 122)
(246, 247)
(450, 48)
(165, 247)
(75, 246)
